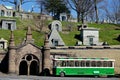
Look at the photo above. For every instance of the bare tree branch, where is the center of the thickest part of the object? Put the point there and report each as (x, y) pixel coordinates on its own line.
(113, 11)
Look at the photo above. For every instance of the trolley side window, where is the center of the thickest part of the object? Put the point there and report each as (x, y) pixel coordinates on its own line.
(76, 63)
(71, 63)
(82, 64)
(63, 64)
(93, 64)
(104, 63)
(58, 63)
(87, 63)
(99, 64)
(110, 64)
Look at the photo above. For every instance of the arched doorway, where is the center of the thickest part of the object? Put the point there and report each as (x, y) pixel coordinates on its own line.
(29, 65)
(34, 68)
(23, 68)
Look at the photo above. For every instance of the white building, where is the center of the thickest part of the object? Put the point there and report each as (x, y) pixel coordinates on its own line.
(56, 25)
(6, 11)
(90, 36)
(8, 24)
(3, 43)
(63, 17)
(54, 36)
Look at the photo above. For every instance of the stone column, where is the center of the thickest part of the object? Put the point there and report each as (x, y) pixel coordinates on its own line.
(29, 38)
(12, 52)
(46, 61)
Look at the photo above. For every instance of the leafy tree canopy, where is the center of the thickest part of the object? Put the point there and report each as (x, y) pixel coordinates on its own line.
(55, 7)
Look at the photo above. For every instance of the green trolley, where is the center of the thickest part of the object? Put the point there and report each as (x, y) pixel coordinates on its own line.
(83, 67)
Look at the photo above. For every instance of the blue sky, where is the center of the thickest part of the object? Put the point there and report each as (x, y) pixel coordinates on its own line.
(28, 6)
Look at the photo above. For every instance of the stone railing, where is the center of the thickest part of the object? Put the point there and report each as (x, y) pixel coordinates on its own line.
(86, 47)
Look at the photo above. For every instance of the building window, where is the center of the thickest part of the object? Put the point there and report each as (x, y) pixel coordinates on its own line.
(55, 42)
(7, 13)
(2, 13)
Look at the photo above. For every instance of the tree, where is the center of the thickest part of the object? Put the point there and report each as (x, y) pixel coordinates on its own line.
(21, 2)
(91, 16)
(95, 10)
(41, 4)
(113, 12)
(82, 7)
(55, 7)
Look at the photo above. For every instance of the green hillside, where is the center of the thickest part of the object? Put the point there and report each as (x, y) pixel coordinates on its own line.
(108, 32)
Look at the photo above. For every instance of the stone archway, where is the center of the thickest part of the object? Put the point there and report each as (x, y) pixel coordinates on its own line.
(34, 68)
(29, 65)
(23, 68)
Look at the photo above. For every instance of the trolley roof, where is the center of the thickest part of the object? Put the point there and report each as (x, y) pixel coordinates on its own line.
(92, 59)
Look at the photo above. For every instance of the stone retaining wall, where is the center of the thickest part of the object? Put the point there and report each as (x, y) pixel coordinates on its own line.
(112, 53)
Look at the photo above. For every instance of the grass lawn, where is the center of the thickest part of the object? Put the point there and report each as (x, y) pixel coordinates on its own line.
(108, 32)
(20, 35)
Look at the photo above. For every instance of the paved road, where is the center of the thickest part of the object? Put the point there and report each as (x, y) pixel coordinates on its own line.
(51, 78)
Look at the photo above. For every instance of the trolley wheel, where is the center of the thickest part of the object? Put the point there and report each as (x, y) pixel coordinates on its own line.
(96, 76)
(105, 76)
(62, 74)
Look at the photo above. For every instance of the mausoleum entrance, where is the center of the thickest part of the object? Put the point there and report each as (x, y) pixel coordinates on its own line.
(29, 65)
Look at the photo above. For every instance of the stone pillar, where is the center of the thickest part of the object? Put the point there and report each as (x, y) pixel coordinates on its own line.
(29, 38)
(12, 52)
(47, 63)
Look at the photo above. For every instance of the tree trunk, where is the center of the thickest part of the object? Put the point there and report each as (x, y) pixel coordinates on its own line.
(78, 17)
(82, 17)
(96, 11)
(41, 8)
(16, 5)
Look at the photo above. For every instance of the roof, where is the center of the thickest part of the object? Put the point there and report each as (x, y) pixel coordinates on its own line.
(2, 39)
(27, 44)
(92, 59)
(7, 7)
(7, 19)
(90, 28)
